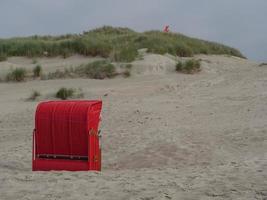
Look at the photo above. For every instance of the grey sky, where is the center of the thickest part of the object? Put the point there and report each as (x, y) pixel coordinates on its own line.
(239, 23)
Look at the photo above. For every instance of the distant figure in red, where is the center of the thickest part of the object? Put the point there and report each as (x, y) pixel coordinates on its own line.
(166, 29)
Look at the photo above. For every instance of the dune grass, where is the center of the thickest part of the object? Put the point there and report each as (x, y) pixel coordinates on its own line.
(118, 44)
(97, 70)
(69, 93)
(37, 70)
(3, 57)
(188, 67)
(16, 75)
(65, 93)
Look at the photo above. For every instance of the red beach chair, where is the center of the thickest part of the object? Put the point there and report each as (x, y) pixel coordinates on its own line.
(66, 136)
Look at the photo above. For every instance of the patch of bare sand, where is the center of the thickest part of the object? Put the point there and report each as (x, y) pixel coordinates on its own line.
(152, 64)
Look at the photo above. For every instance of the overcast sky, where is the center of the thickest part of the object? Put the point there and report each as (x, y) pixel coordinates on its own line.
(239, 23)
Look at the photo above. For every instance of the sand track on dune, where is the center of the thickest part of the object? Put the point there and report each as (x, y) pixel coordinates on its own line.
(154, 65)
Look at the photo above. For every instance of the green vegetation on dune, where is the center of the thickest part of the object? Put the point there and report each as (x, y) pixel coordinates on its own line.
(37, 71)
(69, 93)
(97, 70)
(188, 67)
(16, 75)
(65, 93)
(118, 44)
(3, 57)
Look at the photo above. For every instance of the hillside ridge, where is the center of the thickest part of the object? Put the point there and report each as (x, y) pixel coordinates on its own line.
(116, 43)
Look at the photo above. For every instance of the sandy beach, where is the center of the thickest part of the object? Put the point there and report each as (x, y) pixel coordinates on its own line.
(166, 135)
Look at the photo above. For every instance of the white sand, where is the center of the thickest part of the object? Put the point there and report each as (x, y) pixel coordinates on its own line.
(165, 135)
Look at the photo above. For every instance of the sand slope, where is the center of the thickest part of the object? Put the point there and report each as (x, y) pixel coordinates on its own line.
(165, 135)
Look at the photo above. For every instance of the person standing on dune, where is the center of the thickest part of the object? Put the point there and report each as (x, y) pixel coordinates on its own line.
(166, 29)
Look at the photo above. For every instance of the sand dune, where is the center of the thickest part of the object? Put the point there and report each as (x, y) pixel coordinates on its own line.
(154, 65)
(165, 135)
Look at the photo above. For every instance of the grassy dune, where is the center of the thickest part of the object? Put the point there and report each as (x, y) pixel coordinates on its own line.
(118, 44)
